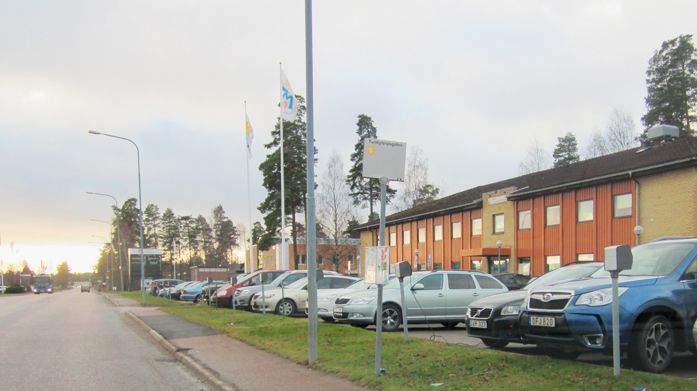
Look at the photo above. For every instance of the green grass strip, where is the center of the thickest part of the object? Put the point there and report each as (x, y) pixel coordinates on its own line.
(414, 365)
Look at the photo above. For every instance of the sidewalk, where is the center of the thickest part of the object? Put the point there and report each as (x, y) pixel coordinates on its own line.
(226, 362)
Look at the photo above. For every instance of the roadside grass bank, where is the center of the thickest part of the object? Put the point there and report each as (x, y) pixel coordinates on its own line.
(414, 365)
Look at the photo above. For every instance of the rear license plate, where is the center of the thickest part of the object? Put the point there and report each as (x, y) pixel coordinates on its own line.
(478, 324)
(542, 321)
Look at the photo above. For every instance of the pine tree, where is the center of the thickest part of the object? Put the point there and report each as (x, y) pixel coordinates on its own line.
(566, 151)
(225, 234)
(671, 83)
(364, 191)
(151, 223)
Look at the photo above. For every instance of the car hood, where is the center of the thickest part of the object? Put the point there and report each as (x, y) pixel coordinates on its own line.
(500, 299)
(592, 284)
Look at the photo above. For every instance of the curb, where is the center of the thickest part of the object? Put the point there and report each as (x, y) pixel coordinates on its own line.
(200, 369)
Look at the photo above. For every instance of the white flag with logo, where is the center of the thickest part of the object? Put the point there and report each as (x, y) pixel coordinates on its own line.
(289, 107)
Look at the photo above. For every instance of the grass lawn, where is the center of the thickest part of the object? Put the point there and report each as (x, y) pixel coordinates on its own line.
(414, 365)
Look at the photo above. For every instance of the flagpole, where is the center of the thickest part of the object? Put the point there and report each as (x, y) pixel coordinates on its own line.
(284, 263)
(249, 197)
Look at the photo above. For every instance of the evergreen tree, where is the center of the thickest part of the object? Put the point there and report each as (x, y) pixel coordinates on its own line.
(352, 223)
(671, 83)
(129, 221)
(566, 151)
(257, 233)
(151, 223)
(62, 275)
(207, 242)
(426, 193)
(226, 235)
(170, 232)
(295, 171)
(364, 191)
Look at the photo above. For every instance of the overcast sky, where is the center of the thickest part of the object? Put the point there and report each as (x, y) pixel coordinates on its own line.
(472, 83)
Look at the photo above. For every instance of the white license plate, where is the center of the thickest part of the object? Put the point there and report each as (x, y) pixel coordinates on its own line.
(478, 324)
(542, 321)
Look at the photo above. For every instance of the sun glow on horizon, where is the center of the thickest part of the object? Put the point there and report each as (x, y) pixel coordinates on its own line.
(80, 257)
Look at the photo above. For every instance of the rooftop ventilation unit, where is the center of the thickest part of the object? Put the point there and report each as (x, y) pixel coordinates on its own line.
(662, 131)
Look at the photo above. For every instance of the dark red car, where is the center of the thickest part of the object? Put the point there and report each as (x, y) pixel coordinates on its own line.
(224, 294)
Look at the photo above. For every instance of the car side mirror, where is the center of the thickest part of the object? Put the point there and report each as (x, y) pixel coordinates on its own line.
(418, 287)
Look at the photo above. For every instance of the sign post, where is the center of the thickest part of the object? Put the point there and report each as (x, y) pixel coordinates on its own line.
(617, 258)
(383, 160)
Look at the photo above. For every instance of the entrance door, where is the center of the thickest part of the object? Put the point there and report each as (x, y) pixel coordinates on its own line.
(497, 265)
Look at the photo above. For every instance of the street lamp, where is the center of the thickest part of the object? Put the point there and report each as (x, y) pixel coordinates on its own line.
(499, 243)
(118, 233)
(140, 214)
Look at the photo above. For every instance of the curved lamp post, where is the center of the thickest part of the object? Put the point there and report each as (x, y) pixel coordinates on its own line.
(118, 233)
(140, 214)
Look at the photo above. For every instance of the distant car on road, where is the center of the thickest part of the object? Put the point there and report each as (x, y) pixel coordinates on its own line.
(42, 284)
(85, 287)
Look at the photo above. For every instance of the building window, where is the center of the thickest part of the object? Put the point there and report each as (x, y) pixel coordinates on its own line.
(552, 215)
(456, 265)
(319, 259)
(301, 259)
(437, 266)
(589, 257)
(393, 239)
(584, 211)
(406, 236)
(422, 235)
(476, 227)
(476, 265)
(622, 205)
(524, 219)
(457, 230)
(552, 262)
(498, 223)
(438, 233)
(524, 266)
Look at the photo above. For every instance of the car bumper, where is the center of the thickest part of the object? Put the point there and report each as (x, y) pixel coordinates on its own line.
(587, 331)
(354, 313)
(498, 327)
(188, 297)
(259, 305)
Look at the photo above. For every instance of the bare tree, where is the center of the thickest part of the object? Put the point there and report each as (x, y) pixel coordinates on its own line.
(597, 146)
(335, 204)
(536, 159)
(416, 189)
(621, 131)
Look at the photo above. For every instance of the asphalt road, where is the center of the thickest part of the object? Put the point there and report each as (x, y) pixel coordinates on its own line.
(683, 365)
(78, 341)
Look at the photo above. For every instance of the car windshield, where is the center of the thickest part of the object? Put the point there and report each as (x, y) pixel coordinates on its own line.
(298, 284)
(656, 259)
(360, 284)
(570, 272)
(394, 282)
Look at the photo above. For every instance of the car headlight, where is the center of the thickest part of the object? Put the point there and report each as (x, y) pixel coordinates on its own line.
(268, 295)
(511, 310)
(362, 300)
(598, 298)
(242, 292)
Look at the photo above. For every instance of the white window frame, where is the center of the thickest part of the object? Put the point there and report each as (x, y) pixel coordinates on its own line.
(578, 210)
(552, 257)
(478, 231)
(547, 209)
(422, 235)
(406, 237)
(528, 212)
(502, 220)
(393, 239)
(438, 233)
(614, 205)
(456, 230)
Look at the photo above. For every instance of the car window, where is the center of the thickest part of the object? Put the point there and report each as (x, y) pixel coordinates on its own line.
(691, 272)
(460, 281)
(293, 277)
(432, 282)
(325, 283)
(487, 282)
(339, 283)
(654, 259)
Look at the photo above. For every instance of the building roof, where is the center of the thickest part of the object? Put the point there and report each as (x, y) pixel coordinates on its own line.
(621, 165)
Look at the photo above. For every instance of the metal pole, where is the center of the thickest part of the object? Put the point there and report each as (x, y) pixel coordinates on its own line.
(284, 264)
(404, 309)
(310, 212)
(378, 315)
(249, 200)
(615, 325)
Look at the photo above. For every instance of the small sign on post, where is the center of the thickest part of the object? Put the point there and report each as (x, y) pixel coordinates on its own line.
(377, 264)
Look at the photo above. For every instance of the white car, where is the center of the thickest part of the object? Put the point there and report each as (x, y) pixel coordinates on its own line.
(292, 298)
(326, 298)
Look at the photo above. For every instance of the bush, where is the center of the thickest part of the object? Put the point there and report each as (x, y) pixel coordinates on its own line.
(14, 289)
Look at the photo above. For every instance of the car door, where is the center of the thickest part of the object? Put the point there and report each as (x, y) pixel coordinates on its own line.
(686, 296)
(427, 298)
(460, 293)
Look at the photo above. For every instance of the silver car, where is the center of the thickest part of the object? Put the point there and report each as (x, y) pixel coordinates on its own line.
(431, 297)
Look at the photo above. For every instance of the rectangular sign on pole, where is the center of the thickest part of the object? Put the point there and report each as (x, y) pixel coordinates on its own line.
(377, 264)
(384, 159)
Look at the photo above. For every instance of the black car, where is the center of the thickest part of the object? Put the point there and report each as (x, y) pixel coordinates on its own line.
(494, 319)
(513, 281)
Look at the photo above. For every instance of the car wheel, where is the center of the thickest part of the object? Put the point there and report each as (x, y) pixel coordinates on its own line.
(494, 343)
(197, 299)
(560, 353)
(653, 344)
(391, 317)
(286, 307)
(450, 325)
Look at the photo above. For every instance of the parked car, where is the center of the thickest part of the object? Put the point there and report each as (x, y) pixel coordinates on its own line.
(291, 299)
(431, 297)
(212, 287)
(243, 295)
(513, 281)
(85, 287)
(494, 319)
(193, 292)
(658, 311)
(326, 298)
(155, 285)
(257, 278)
(176, 291)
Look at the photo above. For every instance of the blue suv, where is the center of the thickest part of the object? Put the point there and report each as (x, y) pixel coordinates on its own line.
(658, 308)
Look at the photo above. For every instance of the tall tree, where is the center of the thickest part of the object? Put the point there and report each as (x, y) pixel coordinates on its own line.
(671, 83)
(62, 274)
(257, 232)
(364, 191)
(596, 147)
(226, 235)
(170, 232)
(349, 231)
(151, 223)
(207, 241)
(129, 221)
(566, 151)
(294, 156)
(417, 189)
(620, 131)
(536, 159)
(335, 209)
